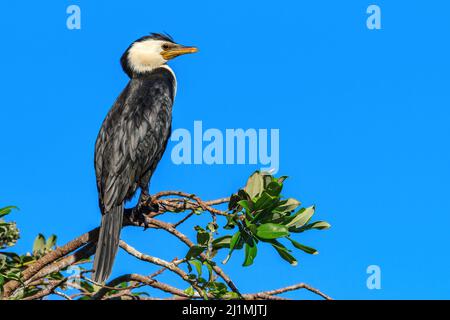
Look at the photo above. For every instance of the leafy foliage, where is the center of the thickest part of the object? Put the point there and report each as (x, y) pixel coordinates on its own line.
(12, 264)
(259, 214)
(262, 215)
(43, 246)
(9, 234)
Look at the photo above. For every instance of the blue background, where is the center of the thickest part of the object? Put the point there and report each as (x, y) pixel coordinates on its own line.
(363, 118)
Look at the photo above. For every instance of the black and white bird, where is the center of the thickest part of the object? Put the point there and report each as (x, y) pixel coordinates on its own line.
(133, 137)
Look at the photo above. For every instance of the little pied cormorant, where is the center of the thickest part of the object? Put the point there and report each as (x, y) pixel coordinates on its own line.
(133, 137)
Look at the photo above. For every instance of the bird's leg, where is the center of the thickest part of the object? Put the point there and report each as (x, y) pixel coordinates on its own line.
(146, 201)
(138, 215)
(146, 204)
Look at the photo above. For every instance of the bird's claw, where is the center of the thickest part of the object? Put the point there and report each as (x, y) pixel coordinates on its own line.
(139, 217)
(146, 224)
(148, 204)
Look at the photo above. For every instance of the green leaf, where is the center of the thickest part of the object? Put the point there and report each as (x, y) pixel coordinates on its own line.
(233, 203)
(253, 228)
(217, 289)
(7, 210)
(243, 195)
(233, 242)
(192, 277)
(209, 266)
(284, 253)
(222, 242)
(266, 201)
(318, 225)
(302, 217)
(201, 280)
(13, 276)
(288, 205)
(303, 247)
(246, 204)
(87, 286)
(231, 296)
(51, 242)
(231, 222)
(203, 237)
(267, 178)
(269, 231)
(279, 245)
(190, 291)
(274, 188)
(282, 179)
(250, 253)
(39, 244)
(255, 185)
(198, 266)
(195, 251)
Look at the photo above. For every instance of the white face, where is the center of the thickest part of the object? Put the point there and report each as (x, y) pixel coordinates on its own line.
(146, 55)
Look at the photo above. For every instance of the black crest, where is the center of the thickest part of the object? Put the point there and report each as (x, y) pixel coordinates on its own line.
(157, 36)
(162, 36)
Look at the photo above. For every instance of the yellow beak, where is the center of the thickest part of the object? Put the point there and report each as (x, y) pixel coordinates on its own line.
(178, 51)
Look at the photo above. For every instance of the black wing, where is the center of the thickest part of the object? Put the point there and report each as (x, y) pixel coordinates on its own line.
(133, 137)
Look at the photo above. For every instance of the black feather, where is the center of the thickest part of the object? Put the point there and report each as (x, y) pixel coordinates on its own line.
(108, 244)
(161, 36)
(129, 146)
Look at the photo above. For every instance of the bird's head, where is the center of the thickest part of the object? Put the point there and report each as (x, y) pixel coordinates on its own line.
(150, 52)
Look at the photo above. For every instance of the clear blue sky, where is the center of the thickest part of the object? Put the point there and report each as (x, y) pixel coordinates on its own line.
(363, 118)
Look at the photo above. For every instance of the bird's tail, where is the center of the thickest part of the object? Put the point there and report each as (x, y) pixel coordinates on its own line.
(108, 244)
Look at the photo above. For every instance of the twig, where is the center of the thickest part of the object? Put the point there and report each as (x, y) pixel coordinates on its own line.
(290, 288)
(62, 294)
(176, 225)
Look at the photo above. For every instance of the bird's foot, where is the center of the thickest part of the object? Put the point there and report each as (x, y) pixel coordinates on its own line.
(139, 217)
(148, 204)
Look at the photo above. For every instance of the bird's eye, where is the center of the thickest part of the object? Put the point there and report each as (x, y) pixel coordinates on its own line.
(165, 46)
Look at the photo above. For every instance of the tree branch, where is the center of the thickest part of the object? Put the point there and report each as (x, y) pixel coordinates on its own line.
(83, 247)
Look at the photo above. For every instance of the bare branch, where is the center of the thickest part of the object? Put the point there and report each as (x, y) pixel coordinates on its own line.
(172, 266)
(287, 289)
